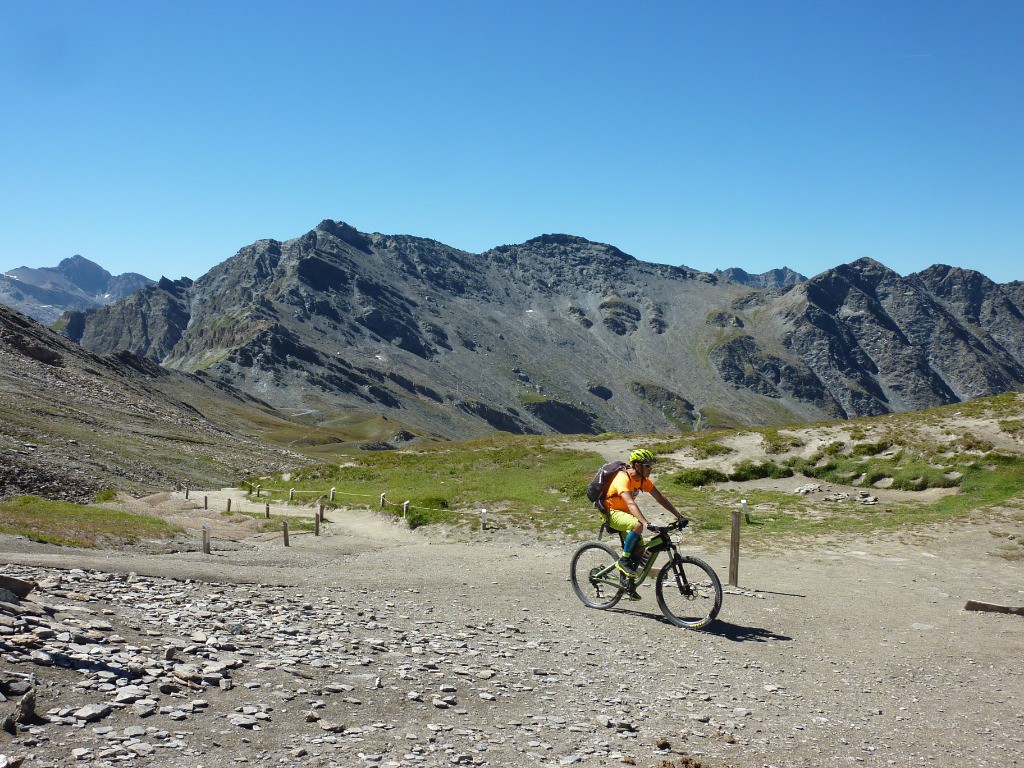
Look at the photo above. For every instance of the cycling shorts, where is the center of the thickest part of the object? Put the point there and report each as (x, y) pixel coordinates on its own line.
(620, 521)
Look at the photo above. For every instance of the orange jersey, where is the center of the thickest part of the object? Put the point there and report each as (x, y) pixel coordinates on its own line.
(623, 482)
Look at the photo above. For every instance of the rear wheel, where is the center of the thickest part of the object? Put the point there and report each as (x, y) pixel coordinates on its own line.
(595, 578)
(689, 592)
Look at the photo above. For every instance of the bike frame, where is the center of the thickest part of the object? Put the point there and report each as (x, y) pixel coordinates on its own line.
(661, 542)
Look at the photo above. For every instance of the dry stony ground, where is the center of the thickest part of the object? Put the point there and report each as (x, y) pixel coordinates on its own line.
(371, 645)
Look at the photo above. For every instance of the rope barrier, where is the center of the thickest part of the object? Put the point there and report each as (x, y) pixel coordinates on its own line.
(404, 506)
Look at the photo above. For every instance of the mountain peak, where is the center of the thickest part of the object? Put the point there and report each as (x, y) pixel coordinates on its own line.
(87, 275)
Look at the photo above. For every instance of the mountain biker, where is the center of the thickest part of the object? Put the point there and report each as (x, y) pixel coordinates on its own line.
(624, 514)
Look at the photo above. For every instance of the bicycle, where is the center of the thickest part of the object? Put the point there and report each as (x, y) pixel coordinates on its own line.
(688, 589)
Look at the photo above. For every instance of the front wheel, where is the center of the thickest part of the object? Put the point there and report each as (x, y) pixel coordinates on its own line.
(594, 576)
(689, 592)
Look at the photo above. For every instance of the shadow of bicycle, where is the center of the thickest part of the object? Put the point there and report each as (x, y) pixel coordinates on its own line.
(725, 629)
(740, 634)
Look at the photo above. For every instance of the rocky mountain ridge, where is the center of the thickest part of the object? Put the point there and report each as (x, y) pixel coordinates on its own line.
(74, 284)
(774, 278)
(560, 334)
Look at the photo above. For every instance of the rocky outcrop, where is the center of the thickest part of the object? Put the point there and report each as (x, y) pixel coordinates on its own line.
(149, 322)
(564, 418)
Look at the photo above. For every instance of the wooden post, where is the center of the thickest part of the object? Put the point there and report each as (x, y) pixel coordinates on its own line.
(332, 493)
(746, 512)
(268, 510)
(321, 513)
(229, 505)
(405, 511)
(382, 501)
(734, 551)
(206, 502)
(291, 495)
(257, 491)
(316, 524)
(284, 529)
(186, 492)
(483, 519)
(206, 538)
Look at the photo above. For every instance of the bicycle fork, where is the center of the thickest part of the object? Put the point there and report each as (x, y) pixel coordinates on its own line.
(679, 573)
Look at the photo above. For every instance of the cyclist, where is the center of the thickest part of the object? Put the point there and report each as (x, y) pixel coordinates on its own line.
(624, 514)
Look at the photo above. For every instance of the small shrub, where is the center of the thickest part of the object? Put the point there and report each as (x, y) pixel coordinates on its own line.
(972, 443)
(1013, 427)
(417, 517)
(834, 448)
(871, 449)
(705, 449)
(107, 495)
(694, 477)
(819, 471)
(748, 470)
(873, 476)
(777, 442)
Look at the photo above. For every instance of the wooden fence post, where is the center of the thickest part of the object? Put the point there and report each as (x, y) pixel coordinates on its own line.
(268, 510)
(206, 502)
(257, 491)
(483, 519)
(316, 524)
(382, 501)
(332, 493)
(405, 511)
(206, 538)
(734, 550)
(284, 529)
(291, 495)
(229, 505)
(746, 512)
(321, 513)
(186, 492)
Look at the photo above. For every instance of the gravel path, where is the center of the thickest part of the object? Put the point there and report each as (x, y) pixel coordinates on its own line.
(373, 645)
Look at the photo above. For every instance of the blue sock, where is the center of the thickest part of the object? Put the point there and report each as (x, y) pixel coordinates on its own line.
(631, 539)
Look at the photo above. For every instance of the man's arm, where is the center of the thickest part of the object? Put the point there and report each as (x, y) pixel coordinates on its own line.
(656, 495)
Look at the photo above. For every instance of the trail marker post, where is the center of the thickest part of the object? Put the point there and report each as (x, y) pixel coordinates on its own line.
(734, 550)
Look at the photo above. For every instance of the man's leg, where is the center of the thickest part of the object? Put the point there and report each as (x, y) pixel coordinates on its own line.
(623, 521)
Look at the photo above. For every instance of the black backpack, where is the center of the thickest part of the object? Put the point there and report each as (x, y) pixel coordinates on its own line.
(599, 485)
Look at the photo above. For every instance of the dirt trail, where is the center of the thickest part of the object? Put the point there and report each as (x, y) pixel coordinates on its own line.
(854, 651)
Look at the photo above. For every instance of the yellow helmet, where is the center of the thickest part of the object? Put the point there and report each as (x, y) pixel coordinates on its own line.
(642, 455)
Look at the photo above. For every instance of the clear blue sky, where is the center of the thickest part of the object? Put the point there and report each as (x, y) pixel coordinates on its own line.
(162, 137)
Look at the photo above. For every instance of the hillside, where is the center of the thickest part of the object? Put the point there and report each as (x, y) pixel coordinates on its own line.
(73, 423)
(563, 335)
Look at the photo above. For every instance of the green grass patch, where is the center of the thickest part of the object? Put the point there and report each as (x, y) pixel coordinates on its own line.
(75, 525)
(523, 481)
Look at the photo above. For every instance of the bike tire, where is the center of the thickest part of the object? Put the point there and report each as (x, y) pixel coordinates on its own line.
(689, 592)
(589, 559)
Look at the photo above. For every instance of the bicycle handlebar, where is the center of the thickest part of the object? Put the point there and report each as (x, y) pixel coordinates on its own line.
(678, 525)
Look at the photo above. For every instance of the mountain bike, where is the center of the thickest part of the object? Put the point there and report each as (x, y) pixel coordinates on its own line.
(688, 589)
